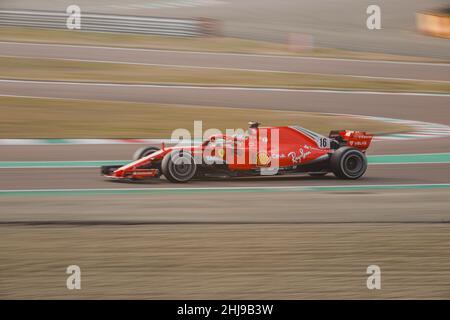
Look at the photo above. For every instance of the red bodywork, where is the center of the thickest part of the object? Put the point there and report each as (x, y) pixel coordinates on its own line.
(298, 148)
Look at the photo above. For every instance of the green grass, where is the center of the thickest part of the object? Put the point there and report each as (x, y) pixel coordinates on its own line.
(57, 69)
(223, 261)
(55, 118)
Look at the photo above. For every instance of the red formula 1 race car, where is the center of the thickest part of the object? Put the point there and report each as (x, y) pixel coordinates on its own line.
(261, 151)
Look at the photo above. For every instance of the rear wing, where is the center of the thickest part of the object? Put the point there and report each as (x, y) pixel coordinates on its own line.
(356, 139)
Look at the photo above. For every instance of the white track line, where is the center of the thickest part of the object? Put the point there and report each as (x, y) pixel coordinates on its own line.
(302, 187)
(218, 87)
(231, 54)
(183, 66)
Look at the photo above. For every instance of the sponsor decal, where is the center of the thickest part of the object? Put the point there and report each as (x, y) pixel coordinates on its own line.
(263, 159)
(221, 153)
(302, 154)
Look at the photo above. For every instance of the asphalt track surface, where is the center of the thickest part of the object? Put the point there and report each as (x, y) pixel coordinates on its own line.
(412, 106)
(234, 61)
(90, 178)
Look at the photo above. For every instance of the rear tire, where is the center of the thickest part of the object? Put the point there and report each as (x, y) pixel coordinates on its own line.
(143, 152)
(179, 166)
(348, 163)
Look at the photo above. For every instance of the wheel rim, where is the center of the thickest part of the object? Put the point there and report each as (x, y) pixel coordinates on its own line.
(353, 164)
(182, 166)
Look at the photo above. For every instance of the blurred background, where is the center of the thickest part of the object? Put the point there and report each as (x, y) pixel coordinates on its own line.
(332, 24)
(73, 99)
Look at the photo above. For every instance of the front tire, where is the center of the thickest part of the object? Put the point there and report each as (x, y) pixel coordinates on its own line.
(143, 152)
(348, 163)
(179, 166)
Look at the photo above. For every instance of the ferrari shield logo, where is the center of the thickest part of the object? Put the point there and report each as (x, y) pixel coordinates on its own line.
(221, 153)
(263, 159)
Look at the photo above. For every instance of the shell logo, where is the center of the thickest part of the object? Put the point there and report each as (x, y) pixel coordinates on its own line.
(221, 153)
(263, 159)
